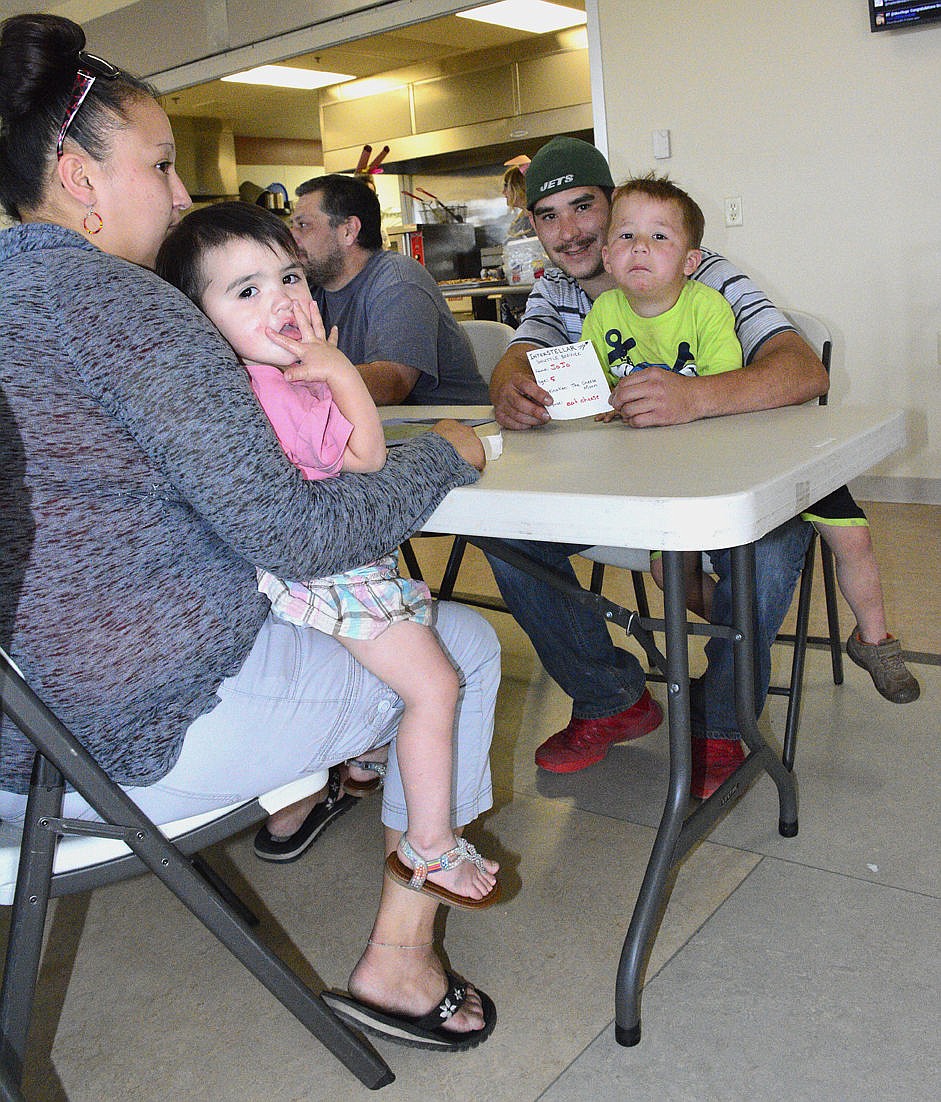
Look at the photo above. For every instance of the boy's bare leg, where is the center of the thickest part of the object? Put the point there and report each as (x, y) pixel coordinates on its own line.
(870, 645)
(857, 574)
(700, 586)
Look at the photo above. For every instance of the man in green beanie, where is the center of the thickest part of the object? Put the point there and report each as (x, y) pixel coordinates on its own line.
(568, 190)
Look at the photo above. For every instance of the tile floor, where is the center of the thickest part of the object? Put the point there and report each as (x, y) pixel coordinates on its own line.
(784, 969)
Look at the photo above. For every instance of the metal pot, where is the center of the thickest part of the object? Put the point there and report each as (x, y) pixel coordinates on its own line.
(271, 200)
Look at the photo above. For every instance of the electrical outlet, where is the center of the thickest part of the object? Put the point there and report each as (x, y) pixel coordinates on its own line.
(733, 211)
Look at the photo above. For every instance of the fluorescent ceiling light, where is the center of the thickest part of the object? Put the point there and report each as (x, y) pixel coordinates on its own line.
(537, 16)
(286, 76)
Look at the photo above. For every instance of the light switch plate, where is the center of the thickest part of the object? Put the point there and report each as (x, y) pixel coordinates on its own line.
(661, 144)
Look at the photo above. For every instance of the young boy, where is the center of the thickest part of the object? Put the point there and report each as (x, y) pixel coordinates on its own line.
(240, 265)
(657, 317)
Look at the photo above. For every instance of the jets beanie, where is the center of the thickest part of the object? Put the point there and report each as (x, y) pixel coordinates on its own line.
(565, 163)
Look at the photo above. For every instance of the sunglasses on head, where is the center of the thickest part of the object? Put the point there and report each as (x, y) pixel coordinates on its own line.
(90, 68)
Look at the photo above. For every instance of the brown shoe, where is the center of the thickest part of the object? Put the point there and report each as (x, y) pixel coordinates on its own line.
(883, 662)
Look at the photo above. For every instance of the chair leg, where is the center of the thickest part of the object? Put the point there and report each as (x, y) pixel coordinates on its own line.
(833, 612)
(53, 739)
(209, 874)
(408, 554)
(28, 916)
(355, 1053)
(449, 578)
(9, 1089)
(800, 654)
(640, 593)
(640, 587)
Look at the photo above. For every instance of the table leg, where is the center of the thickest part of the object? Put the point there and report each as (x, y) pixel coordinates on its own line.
(658, 879)
(678, 831)
(743, 614)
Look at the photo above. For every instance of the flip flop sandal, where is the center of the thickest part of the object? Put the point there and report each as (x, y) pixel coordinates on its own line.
(364, 788)
(415, 878)
(270, 847)
(425, 1031)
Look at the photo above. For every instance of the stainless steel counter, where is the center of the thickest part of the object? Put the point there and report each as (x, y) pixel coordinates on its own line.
(481, 288)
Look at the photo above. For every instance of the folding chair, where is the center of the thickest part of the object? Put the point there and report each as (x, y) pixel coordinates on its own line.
(813, 330)
(57, 856)
(489, 340)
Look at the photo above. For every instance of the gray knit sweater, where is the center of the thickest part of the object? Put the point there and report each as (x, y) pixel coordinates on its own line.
(141, 485)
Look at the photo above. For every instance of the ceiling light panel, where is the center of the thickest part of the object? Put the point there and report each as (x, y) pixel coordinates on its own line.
(286, 76)
(537, 16)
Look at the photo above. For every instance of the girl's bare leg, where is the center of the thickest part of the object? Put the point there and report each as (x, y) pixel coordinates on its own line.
(409, 660)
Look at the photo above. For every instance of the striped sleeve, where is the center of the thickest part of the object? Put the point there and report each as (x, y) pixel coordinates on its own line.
(555, 310)
(756, 317)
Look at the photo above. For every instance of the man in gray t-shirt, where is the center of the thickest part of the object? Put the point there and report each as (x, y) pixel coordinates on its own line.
(393, 321)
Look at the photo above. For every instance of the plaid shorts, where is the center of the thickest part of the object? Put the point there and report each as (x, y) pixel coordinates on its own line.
(359, 604)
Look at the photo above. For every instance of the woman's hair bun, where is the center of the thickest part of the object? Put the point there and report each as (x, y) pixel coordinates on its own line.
(38, 60)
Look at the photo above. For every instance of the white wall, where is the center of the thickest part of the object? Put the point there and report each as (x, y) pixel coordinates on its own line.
(830, 134)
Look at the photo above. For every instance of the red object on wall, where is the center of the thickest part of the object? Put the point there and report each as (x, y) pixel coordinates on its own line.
(416, 246)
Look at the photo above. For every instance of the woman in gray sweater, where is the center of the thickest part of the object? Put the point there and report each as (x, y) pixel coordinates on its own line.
(144, 485)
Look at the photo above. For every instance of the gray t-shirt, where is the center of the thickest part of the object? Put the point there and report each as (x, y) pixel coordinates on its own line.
(393, 310)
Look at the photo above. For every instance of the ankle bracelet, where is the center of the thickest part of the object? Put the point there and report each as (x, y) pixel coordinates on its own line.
(392, 945)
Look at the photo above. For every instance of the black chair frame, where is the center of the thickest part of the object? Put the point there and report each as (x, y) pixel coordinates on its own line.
(60, 757)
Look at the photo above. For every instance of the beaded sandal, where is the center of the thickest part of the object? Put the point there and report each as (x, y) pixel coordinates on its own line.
(363, 788)
(416, 878)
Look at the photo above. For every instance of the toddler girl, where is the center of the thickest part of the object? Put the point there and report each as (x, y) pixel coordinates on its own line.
(240, 265)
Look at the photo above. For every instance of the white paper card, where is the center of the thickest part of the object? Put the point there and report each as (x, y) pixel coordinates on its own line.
(572, 374)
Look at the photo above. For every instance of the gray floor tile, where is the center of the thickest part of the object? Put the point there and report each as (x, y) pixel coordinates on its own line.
(804, 985)
(868, 773)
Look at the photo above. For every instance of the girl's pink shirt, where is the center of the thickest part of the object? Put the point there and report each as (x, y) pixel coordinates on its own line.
(311, 430)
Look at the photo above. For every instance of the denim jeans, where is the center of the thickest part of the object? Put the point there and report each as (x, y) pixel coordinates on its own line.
(571, 640)
(779, 557)
(575, 648)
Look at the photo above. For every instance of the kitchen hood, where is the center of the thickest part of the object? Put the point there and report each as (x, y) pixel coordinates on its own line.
(205, 157)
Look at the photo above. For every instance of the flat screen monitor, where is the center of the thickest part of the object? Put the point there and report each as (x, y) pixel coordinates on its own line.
(884, 15)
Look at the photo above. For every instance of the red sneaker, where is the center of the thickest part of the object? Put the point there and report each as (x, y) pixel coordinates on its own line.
(714, 761)
(587, 741)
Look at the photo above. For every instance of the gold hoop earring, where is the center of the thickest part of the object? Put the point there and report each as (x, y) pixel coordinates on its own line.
(93, 229)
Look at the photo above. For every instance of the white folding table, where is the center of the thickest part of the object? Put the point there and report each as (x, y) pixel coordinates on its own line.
(724, 482)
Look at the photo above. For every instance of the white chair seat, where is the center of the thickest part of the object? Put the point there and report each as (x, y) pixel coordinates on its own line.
(629, 558)
(489, 339)
(82, 851)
